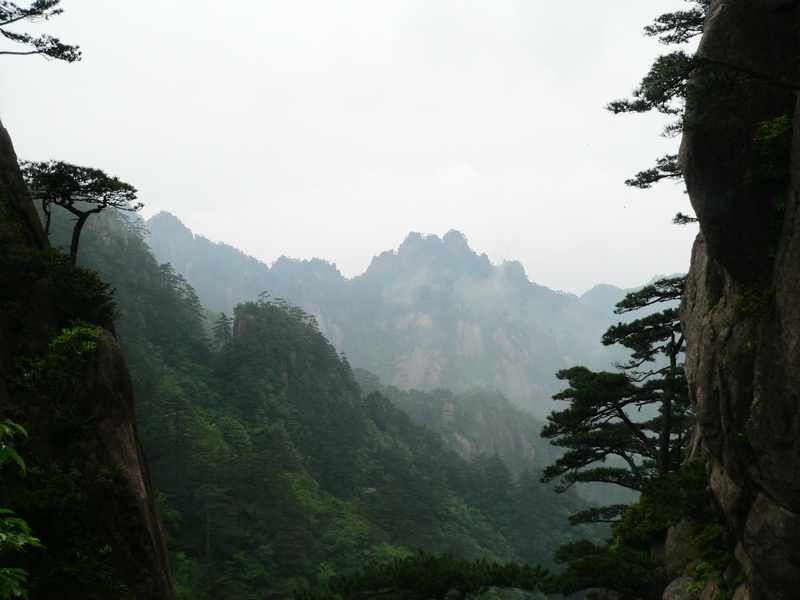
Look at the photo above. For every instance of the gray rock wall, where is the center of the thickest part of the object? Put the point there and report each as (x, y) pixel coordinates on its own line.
(741, 311)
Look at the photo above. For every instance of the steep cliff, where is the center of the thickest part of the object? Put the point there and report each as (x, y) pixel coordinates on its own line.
(87, 494)
(741, 313)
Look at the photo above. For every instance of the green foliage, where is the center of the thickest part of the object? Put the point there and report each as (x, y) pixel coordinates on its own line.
(611, 414)
(666, 88)
(709, 557)
(599, 514)
(59, 372)
(431, 577)
(44, 45)
(641, 417)
(663, 89)
(680, 26)
(625, 570)
(476, 416)
(710, 544)
(8, 430)
(78, 293)
(665, 500)
(15, 533)
(20, 266)
(223, 330)
(772, 142)
(48, 381)
(54, 497)
(663, 290)
(667, 167)
(623, 564)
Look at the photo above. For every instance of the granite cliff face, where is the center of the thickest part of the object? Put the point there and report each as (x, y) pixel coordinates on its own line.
(741, 311)
(93, 488)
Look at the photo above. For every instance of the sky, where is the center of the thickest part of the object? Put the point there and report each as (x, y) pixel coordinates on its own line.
(331, 129)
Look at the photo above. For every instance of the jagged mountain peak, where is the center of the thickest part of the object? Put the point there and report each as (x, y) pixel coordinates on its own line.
(449, 255)
(316, 269)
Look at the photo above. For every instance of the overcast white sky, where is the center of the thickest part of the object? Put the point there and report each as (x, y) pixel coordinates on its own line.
(332, 129)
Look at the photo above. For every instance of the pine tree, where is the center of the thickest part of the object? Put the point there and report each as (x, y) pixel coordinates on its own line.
(43, 45)
(223, 330)
(639, 414)
(82, 191)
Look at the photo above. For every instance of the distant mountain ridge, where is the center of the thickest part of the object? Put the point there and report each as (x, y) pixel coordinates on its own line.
(432, 314)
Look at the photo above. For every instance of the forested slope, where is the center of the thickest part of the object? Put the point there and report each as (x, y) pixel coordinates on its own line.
(275, 472)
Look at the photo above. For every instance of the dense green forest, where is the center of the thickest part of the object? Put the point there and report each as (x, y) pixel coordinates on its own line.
(275, 473)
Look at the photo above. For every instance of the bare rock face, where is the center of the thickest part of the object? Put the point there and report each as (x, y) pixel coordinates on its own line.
(112, 503)
(741, 312)
(749, 46)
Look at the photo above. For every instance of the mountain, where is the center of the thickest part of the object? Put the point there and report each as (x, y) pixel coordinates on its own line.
(431, 314)
(277, 472)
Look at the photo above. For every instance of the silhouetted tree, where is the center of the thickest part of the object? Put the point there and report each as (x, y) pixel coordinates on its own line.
(43, 45)
(611, 414)
(80, 190)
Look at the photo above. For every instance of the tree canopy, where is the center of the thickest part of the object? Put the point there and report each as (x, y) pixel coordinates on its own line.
(432, 577)
(44, 45)
(82, 191)
(639, 414)
(629, 428)
(664, 89)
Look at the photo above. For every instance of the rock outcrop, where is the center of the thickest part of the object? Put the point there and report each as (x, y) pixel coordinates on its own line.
(741, 312)
(94, 508)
